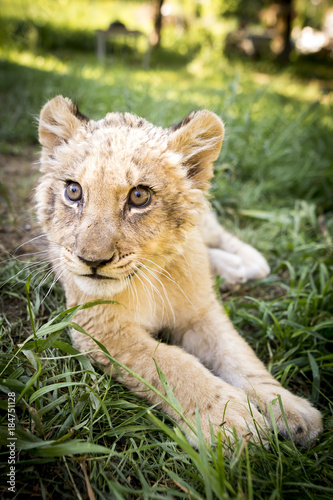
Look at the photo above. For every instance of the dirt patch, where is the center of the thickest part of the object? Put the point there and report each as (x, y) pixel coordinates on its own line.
(17, 324)
(18, 226)
(267, 292)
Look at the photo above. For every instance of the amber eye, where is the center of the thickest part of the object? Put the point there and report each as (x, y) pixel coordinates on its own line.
(139, 197)
(73, 191)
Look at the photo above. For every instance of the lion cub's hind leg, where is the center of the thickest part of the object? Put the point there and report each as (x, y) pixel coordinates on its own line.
(231, 258)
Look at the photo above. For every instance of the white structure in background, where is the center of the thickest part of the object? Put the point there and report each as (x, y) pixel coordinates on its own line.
(309, 40)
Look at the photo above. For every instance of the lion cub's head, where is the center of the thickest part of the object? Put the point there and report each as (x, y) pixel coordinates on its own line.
(120, 192)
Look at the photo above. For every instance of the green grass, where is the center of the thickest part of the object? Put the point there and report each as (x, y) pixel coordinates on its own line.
(70, 417)
(76, 427)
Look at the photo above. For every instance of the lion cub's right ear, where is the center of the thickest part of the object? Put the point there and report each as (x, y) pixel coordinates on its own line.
(59, 121)
(198, 139)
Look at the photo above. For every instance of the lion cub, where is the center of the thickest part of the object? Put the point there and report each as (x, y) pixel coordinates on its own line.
(123, 205)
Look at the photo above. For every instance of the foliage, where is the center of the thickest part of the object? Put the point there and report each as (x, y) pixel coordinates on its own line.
(243, 10)
(305, 13)
(311, 13)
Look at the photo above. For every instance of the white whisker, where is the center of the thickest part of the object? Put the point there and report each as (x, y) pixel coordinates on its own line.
(30, 254)
(153, 287)
(52, 270)
(26, 268)
(149, 295)
(19, 258)
(168, 277)
(164, 291)
(29, 241)
(56, 279)
(134, 294)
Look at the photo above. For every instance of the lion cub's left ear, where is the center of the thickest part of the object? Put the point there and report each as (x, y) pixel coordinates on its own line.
(198, 138)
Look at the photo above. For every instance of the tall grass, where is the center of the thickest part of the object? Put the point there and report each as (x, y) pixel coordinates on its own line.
(74, 422)
(79, 433)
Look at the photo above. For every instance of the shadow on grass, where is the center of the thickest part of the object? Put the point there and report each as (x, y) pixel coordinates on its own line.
(308, 66)
(24, 90)
(28, 35)
(279, 144)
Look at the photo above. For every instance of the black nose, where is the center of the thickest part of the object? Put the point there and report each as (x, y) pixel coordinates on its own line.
(95, 263)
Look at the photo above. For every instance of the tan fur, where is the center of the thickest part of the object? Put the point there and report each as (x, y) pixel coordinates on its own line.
(158, 261)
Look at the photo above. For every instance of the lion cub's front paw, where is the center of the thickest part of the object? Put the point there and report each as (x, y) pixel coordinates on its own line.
(304, 421)
(232, 414)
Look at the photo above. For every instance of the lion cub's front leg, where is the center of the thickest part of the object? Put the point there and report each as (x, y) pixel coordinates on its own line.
(223, 350)
(219, 403)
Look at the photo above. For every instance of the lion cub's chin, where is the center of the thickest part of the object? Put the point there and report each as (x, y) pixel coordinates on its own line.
(99, 289)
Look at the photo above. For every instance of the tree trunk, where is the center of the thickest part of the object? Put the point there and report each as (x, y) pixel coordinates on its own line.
(284, 28)
(156, 38)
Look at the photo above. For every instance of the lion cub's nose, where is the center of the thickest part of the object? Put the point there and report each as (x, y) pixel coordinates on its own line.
(95, 263)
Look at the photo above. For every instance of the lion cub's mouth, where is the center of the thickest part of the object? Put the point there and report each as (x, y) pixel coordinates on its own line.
(97, 276)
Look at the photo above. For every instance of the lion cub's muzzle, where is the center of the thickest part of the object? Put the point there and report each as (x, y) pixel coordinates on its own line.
(114, 266)
(94, 264)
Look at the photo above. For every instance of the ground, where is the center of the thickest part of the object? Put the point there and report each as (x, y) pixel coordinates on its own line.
(17, 222)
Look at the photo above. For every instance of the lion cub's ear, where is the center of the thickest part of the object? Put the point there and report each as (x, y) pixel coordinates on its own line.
(198, 138)
(59, 121)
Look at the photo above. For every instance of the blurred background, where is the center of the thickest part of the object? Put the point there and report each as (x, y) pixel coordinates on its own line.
(103, 40)
(266, 67)
(280, 30)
